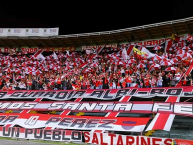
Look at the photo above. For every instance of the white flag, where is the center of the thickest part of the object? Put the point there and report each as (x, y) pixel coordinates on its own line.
(55, 56)
(67, 52)
(41, 57)
(150, 55)
(124, 54)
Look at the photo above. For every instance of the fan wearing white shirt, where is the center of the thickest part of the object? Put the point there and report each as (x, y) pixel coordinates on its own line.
(177, 76)
(22, 85)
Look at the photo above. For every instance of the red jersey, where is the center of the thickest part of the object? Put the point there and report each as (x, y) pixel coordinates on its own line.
(124, 84)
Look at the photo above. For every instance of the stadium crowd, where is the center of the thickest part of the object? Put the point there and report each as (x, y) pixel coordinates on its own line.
(105, 70)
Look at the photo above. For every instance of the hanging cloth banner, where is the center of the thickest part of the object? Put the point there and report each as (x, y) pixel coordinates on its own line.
(27, 120)
(99, 94)
(179, 108)
(41, 134)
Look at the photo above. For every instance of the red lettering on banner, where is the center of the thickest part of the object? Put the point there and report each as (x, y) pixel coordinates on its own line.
(144, 142)
(161, 41)
(95, 139)
(137, 141)
(156, 140)
(112, 135)
(168, 141)
(102, 143)
(155, 42)
(130, 140)
(86, 136)
(117, 139)
(30, 50)
(149, 42)
(120, 140)
(145, 43)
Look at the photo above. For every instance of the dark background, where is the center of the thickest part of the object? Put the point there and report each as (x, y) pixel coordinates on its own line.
(81, 17)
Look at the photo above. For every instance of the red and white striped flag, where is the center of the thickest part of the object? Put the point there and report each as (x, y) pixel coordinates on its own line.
(99, 49)
(130, 50)
(168, 45)
(38, 52)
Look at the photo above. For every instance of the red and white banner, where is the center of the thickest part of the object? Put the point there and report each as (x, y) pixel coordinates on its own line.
(28, 120)
(164, 121)
(177, 108)
(99, 94)
(116, 139)
(8, 50)
(153, 42)
(184, 142)
(97, 46)
(27, 50)
(41, 134)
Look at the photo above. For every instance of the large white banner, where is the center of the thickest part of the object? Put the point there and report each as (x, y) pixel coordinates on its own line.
(29, 32)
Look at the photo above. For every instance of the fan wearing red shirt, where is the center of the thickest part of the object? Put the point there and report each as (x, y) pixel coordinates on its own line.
(124, 84)
(146, 82)
(96, 83)
(118, 84)
(126, 71)
(119, 72)
(4, 88)
(88, 84)
(111, 85)
(128, 80)
(29, 84)
(1, 81)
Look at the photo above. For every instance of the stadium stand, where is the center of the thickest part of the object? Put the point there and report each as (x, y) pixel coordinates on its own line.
(104, 60)
(98, 70)
(102, 67)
